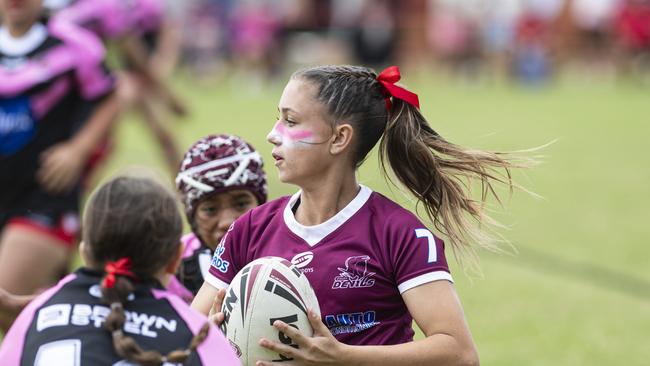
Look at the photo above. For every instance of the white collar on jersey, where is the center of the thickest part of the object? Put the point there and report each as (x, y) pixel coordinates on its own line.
(314, 234)
(21, 46)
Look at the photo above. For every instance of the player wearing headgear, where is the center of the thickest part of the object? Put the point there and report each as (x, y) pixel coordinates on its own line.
(374, 266)
(56, 104)
(116, 311)
(221, 177)
(147, 38)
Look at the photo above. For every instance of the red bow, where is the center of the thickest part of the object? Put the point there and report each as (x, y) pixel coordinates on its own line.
(120, 268)
(388, 78)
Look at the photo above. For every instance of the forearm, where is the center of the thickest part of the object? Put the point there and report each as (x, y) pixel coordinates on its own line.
(204, 299)
(97, 127)
(437, 349)
(165, 57)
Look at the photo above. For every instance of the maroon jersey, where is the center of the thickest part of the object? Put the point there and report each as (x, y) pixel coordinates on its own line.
(359, 262)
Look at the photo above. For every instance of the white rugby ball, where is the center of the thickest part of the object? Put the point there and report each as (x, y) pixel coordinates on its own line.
(266, 290)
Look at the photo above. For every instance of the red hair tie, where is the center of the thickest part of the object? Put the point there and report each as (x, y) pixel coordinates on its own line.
(388, 78)
(122, 267)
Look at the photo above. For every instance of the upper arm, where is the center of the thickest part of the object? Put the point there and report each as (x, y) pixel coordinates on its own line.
(416, 256)
(436, 309)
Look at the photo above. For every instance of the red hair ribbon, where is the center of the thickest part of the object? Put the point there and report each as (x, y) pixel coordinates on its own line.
(122, 267)
(388, 78)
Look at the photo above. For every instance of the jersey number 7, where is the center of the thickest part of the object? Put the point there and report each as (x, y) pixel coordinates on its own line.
(431, 241)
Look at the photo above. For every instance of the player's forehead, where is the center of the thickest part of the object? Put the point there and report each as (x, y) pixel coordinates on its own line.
(226, 197)
(299, 99)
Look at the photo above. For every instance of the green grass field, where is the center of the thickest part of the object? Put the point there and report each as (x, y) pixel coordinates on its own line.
(578, 291)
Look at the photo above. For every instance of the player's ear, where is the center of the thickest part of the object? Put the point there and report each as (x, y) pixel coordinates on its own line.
(342, 138)
(172, 265)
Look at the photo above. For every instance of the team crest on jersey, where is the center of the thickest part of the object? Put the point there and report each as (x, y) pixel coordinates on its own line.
(355, 274)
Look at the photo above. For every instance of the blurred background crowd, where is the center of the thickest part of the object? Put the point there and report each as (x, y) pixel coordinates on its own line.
(529, 41)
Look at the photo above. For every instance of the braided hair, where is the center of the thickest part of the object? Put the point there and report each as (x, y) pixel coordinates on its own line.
(133, 221)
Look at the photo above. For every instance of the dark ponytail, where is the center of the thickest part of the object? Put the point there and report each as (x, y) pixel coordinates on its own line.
(440, 175)
(437, 172)
(133, 227)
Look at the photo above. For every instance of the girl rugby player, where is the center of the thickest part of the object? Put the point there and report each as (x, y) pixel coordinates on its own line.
(116, 309)
(375, 267)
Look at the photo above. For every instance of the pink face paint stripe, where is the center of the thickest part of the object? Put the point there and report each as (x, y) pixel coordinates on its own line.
(293, 135)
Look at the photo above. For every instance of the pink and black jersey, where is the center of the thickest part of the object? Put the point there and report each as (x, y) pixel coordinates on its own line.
(64, 326)
(193, 268)
(49, 80)
(111, 19)
(359, 262)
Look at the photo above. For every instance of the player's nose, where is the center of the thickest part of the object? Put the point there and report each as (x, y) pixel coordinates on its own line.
(274, 137)
(226, 218)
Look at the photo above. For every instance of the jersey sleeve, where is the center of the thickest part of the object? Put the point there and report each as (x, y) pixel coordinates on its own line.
(92, 77)
(230, 255)
(415, 254)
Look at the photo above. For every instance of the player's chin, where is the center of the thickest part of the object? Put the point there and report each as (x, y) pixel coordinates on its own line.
(284, 175)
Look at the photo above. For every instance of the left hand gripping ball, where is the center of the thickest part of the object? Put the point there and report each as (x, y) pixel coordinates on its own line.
(266, 290)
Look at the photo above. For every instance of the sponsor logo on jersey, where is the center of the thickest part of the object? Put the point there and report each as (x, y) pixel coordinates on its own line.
(96, 291)
(355, 274)
(351, 322)
(302, 260)
(94, 315)
(220, 264)
(17, 124)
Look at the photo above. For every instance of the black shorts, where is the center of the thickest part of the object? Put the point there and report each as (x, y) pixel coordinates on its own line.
(54, 215)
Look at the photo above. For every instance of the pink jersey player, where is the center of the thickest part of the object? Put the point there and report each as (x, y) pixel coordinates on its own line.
(111, 19)
(374, 266)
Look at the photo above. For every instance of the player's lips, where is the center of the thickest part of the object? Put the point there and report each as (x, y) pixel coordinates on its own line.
(277, 158)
